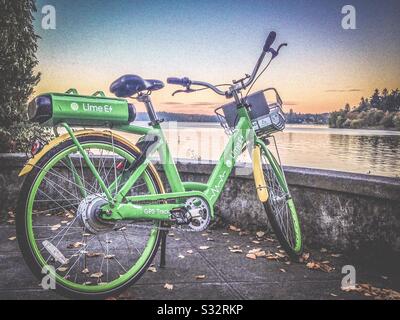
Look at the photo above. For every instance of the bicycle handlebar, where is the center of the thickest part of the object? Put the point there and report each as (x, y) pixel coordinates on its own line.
(238, 85)
(185, 81)
(270, 40)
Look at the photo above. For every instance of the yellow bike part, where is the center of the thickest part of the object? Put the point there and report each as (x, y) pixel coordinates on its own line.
(259, 179)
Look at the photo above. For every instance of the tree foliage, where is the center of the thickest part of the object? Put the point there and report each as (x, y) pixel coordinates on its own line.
(381, 110)
(17, 75)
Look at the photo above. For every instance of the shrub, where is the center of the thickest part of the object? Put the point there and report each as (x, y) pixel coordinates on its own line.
(387, 120)
(396, 120)
(17, 77)
(357, 124)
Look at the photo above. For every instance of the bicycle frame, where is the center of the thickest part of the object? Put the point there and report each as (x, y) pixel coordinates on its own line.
(125, 207)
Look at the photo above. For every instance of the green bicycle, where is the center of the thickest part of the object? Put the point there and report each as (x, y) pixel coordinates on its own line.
(93, 209)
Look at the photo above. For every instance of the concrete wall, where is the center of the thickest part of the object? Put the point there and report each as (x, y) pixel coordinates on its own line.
(338, 211)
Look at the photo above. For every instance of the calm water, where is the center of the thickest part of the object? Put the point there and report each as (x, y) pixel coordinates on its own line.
(362, 151)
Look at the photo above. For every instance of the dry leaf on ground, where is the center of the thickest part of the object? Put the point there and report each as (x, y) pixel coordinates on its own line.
(200, 277)
(204, 247)
(12, 238)
(251, 256)
(96, 275)
(55, 227)
(319, 266)
(152, 269)
(370, 291)
(260, 234)
(168, 286)
(233, 228)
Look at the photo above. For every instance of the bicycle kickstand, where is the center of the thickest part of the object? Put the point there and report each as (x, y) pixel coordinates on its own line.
(163, 249)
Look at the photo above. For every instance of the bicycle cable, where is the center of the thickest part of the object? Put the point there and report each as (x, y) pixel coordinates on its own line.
(265, 68)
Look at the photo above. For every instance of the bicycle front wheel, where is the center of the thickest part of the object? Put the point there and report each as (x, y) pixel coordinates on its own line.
(58, 229)
(280, 207)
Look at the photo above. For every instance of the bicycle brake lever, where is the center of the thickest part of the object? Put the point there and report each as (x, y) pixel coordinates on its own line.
(276, 52)
(183, 91)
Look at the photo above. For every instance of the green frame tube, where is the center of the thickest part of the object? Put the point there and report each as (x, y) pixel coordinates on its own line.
(209, 191)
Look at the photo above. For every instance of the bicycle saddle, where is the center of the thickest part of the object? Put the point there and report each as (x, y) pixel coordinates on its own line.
(130, 84)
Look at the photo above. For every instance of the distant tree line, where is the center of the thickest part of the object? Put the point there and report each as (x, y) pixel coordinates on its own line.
(381, 110)
(291, 117)
(307, 118)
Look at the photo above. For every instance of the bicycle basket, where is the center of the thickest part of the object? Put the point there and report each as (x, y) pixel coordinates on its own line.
(266, 118)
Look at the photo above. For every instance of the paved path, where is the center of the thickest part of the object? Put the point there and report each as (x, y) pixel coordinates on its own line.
(227, 275)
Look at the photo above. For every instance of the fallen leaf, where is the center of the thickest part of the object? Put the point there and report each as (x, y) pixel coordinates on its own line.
(69, 215)
(171, 234)
(210, 239)
(96, 275)
(181, 256)
(304, 257)
(333, 295)
(233, 228)
(86, 283)
(93, 254)
(254, 250)
(64, 221)
(85, 271)
(319, 266)
(200, 276)
(204, 247)
(152, 269)
(251, 256)
(260, 254)
(323, 250)
(168, 286)
(55, 227)
(256, 241)
(260, 234)
(177, 239)
(12, 238)
(62, 269)
(190, 251)
(236, 250)
(282, 270)
(11, 221)
(225, 233)
(77, 244)
(335, 255)
(109, 256)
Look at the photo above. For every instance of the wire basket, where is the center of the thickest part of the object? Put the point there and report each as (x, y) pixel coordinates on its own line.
(266, 118)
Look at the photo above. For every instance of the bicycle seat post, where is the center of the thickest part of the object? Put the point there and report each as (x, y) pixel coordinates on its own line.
(145, 98)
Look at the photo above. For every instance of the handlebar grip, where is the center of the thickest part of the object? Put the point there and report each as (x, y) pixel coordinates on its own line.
(270, 40)
(179, 81)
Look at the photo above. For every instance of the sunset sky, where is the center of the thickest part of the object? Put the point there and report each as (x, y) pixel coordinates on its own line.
(323, 67)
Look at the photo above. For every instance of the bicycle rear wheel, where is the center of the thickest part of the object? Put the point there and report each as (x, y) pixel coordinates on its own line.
(89, 258)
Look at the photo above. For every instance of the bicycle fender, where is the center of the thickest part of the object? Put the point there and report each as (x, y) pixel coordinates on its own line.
(259, 179)
(60, 139)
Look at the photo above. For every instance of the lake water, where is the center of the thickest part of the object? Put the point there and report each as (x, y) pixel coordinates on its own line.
(375, 152)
